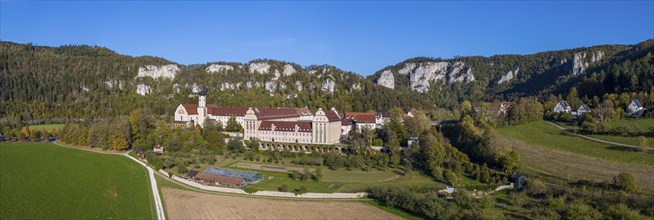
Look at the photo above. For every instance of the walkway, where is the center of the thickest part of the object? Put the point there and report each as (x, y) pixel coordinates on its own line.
(595, 139)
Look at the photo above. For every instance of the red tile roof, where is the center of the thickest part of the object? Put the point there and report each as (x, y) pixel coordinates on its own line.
(304, 126)
(346, 122)
(332, 116)
(191, 109)
(215, 110)
(222, 180)
(361, 117)
(276, 113)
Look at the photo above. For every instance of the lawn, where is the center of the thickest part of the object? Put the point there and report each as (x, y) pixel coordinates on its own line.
(45, 181)
(340, 180)
(623, 139)
(545, 135)
(645, 123)
(47, 127)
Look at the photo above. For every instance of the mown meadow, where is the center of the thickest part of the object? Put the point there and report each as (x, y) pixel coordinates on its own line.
(46, 181)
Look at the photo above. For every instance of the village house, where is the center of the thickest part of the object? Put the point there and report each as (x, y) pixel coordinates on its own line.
(504, 107)
(562, 106)
(583, 109)
(382, 118)
(635, 109)
(362, 120)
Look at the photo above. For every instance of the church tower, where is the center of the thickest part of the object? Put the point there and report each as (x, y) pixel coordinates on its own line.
(202, 108)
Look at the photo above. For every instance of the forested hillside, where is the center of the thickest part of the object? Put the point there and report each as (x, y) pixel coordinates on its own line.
(595, 70)
(75, 82)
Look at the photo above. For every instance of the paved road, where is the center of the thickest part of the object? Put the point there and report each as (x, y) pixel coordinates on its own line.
(595, 139)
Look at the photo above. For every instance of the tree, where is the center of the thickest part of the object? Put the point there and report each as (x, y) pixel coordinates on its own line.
(34, 134)
(232, 125)
(25, 131)
(626, 182)
(573, 98)
(418, 124)
(451, 178)
(466, 108)
(254, 145)
(118, 140)
(235, 146)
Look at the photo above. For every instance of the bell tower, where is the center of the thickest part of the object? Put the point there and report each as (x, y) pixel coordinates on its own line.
(202, 108)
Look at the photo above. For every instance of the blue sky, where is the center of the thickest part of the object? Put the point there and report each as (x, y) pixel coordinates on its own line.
(362, 36)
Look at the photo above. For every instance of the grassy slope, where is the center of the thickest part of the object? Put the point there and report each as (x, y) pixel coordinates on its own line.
(42, 181)
(546, 135)
(644, 124)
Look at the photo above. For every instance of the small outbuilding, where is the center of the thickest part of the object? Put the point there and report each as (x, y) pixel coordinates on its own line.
(518, 181)
(158, 149)
(413, 140)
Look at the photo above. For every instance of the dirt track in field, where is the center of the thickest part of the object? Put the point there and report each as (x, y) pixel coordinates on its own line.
(182, 204)
(575, 166)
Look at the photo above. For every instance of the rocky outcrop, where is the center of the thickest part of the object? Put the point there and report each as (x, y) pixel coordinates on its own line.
(217, 68)
(408, 67)
(422, 74)
(271, 86)
(426, 73)
(387, 79)
(356, 86)
(462, 77)
(508, 76)
(328, 86)
(114, 83)
(143, 89)
(166, 71)
(298, 84)
(261, 67)
(580, 64)
(289, 70)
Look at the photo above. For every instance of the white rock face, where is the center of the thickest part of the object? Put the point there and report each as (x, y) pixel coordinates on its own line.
(408, 67)
(216, 68)
(463, 77)
(143, 89)
(426, 73)
(114, 83)
(298, 84)
(271, 86)
(312, 71)
(579, 63)
(84, 88)
(166, 71)
(358, 86)
(422, 74)
(195, 88)
(229, 86)
(277, 75)
(328, 86)
(508, 76)
(261, 67)
(387, 79)
(289, 70)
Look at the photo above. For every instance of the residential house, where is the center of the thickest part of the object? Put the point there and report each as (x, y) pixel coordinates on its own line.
(583, 109)
(562, 106)
(362, 120)
(635, 109)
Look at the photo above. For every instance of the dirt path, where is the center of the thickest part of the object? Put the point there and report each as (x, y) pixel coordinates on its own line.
(574, 166)
(182, 204)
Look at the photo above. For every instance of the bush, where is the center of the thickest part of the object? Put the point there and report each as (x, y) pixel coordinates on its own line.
(626, 182)
(283, 188)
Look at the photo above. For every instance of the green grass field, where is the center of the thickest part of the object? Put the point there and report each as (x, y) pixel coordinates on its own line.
(47, 127)
(340, 180)
(645, 123)
(45, 181)
(546, 135)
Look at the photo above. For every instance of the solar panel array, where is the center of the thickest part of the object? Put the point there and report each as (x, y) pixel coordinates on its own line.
(249, 177)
